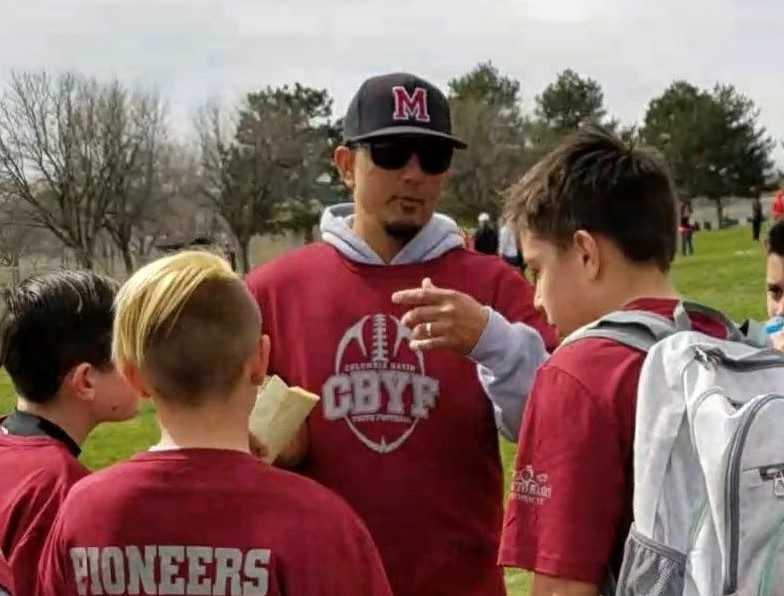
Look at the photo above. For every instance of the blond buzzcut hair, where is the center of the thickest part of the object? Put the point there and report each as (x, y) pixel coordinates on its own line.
(188, 323)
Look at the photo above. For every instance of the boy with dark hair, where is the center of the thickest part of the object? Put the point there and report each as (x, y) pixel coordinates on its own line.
(774, 269)
(55, 340)
(774, 281)
(198, 514)
(597, 219)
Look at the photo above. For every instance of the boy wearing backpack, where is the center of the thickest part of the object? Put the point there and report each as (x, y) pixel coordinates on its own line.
(597, 220)
(198, 514)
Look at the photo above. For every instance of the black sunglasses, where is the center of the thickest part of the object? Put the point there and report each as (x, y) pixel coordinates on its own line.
(435, 157)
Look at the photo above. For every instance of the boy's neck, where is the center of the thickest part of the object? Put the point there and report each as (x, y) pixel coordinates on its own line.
(76, 423)
(637, 283)
(217, 424)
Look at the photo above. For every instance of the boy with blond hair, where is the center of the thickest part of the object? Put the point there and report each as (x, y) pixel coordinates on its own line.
(198, 514)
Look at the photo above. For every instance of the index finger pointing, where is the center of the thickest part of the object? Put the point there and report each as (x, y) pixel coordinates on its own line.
(421, 296)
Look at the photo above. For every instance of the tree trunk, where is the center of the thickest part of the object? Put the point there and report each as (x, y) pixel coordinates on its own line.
(244, 255)
(127, 259)
(719, 212)
(84, 259)
(108, 256)
(15, 272)
(309, 235)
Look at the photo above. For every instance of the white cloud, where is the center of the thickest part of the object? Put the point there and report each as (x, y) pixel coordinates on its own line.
(194, 49)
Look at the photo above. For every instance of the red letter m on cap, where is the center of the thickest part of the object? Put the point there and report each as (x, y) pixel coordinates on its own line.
(411, 106)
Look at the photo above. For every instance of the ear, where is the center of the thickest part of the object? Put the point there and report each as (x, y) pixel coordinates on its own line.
(587, 250)
(80, 381)
(344, 162)
(260, 361)
(134, 378)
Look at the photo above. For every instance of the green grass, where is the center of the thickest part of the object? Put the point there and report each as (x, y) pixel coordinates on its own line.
(727, 273)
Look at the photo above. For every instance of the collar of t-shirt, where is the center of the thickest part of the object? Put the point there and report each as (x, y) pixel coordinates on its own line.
(24, 424)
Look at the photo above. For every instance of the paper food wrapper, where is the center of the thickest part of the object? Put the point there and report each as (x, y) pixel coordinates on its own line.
(279, 413)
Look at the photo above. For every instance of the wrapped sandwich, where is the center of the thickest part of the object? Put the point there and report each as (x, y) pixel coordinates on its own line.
(279, 413)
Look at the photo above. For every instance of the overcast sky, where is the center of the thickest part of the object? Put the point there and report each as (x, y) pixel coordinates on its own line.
(192, 50)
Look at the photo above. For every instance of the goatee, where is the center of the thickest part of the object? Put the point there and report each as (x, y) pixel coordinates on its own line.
(402, 232)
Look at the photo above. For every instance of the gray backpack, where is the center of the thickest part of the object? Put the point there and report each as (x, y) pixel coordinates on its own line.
(708, 458)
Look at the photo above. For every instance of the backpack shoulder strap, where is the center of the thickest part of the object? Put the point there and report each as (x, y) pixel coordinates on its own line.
(636, 329)
(750, 332)
(642, 329)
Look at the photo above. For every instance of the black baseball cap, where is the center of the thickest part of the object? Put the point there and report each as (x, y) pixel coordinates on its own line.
(398, 104)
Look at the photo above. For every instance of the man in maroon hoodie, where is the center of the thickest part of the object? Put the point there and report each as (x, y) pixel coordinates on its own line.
(420, 349)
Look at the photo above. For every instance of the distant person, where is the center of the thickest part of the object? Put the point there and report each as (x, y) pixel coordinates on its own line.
(486, 238)
(686, 230)
(509, 247)
(774, 280)
(774, 269)
(778, 206)
(198, 513)
(55, 344)
(756, 218)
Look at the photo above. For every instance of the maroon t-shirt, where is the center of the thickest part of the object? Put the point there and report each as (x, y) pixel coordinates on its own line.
(407, 438)
(6, 579)
(37, 473)
(207, 521)
(570, 502)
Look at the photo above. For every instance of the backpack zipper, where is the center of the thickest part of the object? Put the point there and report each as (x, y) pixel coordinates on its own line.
(732, 479)
(715, 357)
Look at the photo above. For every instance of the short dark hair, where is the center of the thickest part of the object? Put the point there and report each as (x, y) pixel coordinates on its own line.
(594, 181)
(774, 243)
(51, 323)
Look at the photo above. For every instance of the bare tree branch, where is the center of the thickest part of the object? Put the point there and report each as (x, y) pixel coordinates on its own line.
(68, 147)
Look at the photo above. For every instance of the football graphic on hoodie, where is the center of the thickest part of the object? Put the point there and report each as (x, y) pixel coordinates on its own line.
(380, 387)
